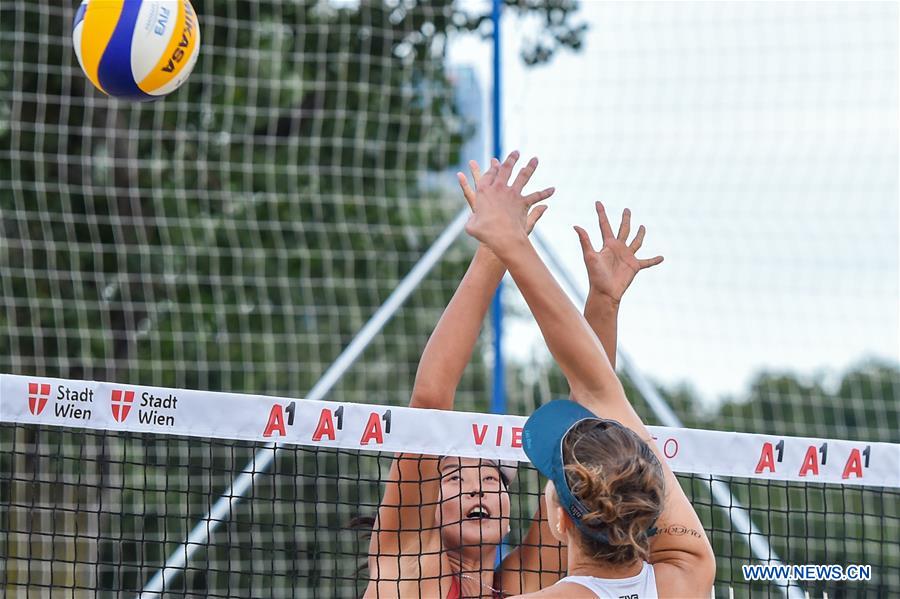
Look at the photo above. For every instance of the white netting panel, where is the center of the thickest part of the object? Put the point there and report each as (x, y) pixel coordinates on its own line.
(236, 235)
(758, 143)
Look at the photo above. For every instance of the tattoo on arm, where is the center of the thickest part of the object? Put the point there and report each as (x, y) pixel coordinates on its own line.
(677, 530)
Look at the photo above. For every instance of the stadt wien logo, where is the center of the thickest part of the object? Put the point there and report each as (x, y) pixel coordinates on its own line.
(38, 394)
(121, 402)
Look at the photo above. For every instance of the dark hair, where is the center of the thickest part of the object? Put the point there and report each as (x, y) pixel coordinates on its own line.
(620, 481)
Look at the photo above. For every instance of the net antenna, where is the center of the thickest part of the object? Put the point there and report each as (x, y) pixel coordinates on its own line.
(265, 457)
(740, 518)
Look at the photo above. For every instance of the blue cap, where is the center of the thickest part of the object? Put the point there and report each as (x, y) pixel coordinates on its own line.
(542, 441)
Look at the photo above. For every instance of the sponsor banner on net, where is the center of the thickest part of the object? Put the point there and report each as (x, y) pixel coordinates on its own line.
(113, 406)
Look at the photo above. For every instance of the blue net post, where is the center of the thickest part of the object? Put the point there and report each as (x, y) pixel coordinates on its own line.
(498, 388)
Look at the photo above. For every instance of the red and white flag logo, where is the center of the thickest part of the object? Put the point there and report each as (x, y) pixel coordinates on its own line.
(38, 394)
(121, 404)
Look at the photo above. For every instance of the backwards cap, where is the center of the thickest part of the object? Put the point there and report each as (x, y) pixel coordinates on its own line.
(542, 440)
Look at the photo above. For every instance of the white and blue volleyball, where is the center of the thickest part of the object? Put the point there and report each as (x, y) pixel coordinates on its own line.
(136, 49)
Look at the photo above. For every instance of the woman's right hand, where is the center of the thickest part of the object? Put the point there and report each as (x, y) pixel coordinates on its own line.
(500, 213)
(469, 193)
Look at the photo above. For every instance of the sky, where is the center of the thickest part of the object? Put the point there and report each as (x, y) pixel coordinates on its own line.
(758, 142)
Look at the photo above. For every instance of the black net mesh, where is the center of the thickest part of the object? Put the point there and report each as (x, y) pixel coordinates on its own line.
(98, 513)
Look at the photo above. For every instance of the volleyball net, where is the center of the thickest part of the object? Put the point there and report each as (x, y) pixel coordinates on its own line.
(103, 483)
(237, 235)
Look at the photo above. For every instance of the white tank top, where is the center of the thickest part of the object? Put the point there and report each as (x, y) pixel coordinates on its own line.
(640, 586)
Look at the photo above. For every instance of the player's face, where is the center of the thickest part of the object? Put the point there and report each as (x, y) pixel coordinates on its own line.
(474, 503)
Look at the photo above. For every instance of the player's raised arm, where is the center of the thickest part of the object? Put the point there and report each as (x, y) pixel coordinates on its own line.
(499, 214)
(540, 560)
(450, 346)
(610, 272)
(406, 517)
(498, 220)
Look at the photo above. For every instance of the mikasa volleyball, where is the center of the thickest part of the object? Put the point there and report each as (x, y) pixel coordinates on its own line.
(136, 49)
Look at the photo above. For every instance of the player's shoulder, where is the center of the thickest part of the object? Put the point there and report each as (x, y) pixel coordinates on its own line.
(561, 590)
(680, 580)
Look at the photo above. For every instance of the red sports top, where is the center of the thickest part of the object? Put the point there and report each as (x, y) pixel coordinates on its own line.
(455, 594)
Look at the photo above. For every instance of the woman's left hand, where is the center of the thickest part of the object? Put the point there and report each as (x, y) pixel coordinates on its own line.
(612, 269)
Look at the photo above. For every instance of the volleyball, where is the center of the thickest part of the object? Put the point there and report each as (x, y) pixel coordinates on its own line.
(136, 49)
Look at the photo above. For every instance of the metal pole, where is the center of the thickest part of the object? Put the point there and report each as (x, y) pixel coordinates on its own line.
(498, 387)
(740, 518)
(265, 457)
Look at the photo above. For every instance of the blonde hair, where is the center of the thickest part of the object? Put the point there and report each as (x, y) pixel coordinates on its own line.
(620, 481)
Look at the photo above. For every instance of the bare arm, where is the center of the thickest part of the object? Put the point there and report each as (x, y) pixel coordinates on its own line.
(540, 560)
(603, 317)
(610, 272)
(411, 492)
(568, 336)
(688, 563)
(412, 489)
(450, 346)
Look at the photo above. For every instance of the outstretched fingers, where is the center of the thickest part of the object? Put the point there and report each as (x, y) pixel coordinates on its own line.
(624, 226)
(507, 167)
(489, 175)
(476, 170)
(524, 175)
(638, 240)
(534, 198)
(605, 228)
(468, 192)
(585, 240)
(534, 216)
(648, 262)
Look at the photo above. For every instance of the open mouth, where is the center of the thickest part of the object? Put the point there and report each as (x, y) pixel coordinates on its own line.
(478, 512)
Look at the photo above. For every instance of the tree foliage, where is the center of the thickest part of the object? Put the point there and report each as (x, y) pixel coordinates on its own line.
(235, 236)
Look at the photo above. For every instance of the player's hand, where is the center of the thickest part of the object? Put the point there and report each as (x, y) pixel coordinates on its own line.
(613, 268)
(469, 193)
(501, 215)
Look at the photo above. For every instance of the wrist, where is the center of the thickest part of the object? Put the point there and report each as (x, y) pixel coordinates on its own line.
(486, 256)
(603, 300)
(509, 246)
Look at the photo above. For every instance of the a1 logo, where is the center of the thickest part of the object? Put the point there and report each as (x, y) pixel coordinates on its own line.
(276, 422)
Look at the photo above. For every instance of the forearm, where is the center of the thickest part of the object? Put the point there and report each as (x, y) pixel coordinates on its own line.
(570, 339)
(602, 313)
(450, 346)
